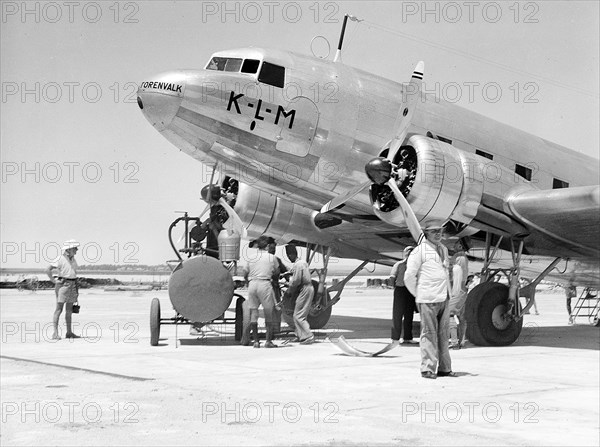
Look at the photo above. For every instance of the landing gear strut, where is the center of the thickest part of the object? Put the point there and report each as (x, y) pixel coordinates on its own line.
(493, 311)
(322, 304)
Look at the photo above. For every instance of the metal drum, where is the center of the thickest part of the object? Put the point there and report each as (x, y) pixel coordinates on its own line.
(201, 289)
(229, 245)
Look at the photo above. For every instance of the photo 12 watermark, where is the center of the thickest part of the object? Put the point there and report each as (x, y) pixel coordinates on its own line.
(70, 172)
(72, 92)
(54, 412)
(90, 252)
(270, 412)
(470, 412)
(91, 332)
(70, 12)
(271, 12)
(465, 12)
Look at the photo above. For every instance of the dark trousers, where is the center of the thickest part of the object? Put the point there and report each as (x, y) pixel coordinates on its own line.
(402, 313)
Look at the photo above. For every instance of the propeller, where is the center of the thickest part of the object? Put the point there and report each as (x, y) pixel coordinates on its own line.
(382, 171)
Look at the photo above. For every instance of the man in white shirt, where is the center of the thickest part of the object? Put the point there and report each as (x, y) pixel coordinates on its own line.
(259, 272)
(427, 279)
(65, 286)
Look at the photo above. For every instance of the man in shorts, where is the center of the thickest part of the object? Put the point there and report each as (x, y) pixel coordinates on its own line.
(65, 286)
(259, 271)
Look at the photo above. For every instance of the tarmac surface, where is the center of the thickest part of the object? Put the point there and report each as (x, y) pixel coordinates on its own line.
(112, 388)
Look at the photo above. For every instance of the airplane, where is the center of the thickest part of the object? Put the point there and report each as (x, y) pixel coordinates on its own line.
(295, 136)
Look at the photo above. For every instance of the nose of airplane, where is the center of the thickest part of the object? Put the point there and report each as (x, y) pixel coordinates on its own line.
(160, 98)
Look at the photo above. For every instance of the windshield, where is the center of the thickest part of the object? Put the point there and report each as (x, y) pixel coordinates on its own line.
(233, 64)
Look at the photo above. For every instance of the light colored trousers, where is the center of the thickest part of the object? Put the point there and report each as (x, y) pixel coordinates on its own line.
(301, 311)
(434, 337)
(260, 292)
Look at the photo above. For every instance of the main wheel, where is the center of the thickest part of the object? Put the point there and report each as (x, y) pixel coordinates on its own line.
(154, 321)
(239, 317)
(487, 322)
(318, 318)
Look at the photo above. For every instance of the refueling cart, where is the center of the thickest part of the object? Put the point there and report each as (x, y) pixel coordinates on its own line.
(201, 285)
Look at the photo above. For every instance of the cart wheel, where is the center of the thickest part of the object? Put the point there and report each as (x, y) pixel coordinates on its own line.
(154, 321)
(239, 318)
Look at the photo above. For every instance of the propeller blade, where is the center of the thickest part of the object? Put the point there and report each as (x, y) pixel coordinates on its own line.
(208, 193)
(343, 198)
(409, 216)
(379, 170)
(405, 115)
(236, 223)
(204, 211)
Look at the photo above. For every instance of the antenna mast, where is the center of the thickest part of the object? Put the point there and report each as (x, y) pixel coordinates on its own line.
(338, 53)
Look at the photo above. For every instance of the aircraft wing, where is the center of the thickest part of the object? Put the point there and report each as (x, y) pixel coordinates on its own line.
(565, 220)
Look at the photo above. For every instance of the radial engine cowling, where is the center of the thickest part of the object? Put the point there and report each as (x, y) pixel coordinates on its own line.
(264, 213)
(441, 183)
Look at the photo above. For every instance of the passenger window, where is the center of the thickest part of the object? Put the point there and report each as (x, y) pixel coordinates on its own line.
(523, 172)
(557, 184)
(484, 154)
(272, 74)
(250, 66)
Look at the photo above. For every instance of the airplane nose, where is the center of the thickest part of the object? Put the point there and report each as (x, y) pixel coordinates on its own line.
(160, 98)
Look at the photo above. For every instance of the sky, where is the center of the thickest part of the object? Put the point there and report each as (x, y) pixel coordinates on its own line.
(80, 161)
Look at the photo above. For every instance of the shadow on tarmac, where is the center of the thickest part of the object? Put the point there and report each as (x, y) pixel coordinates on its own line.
(352, 328)
(573, 337)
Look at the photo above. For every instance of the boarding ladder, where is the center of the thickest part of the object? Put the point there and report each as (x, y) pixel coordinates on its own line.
(587, 306)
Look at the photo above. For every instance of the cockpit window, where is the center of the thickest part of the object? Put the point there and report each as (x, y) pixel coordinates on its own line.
(250, 66)
(272, 74)
(224, 64)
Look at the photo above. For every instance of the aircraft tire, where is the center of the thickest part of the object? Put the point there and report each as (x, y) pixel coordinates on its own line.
(239, 317)
(318, 319)
(154, 322)
(485, 305)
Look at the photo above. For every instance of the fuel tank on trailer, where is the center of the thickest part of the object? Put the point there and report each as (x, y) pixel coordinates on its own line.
(201, 289)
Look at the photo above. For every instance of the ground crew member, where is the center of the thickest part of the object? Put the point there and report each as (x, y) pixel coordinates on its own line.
(259, 272)
(281, 269)
(427, 278)
(458, 297)
(65, 286)
(570, 292)
(301, 286)
(404, 303)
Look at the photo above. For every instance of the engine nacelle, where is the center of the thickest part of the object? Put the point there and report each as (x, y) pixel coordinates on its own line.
(442, 183)
(264, 213)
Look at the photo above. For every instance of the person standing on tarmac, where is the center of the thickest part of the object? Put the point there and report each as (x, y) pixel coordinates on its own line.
(301, 286)
(65, 286)
(259, 272)
(281, 269)
(570, 292)
(458, 296)
(427, 278)
(404, 303)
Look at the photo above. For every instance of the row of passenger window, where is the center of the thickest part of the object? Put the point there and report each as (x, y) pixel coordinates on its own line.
(526, 172)
(270, 74)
